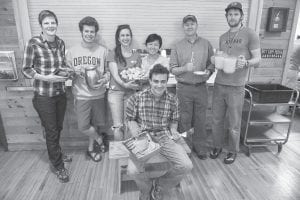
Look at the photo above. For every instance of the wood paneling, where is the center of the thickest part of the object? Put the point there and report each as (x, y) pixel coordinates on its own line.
(271, 70)
(9, 40)
(22, 125)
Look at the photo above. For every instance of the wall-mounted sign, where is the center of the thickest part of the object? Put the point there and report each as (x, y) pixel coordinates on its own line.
(271, 53)
(8, 70)
(277, 19)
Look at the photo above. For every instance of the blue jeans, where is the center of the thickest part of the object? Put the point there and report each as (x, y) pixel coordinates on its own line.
(193, 104)
(117, 103)
(179, 161)
(51, 111)
(230, 100)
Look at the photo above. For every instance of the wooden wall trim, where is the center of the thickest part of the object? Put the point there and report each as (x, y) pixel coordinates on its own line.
(291, 43)
(22, 21)
(255, 13)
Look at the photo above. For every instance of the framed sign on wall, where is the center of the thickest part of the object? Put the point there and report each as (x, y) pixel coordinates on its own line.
(8, 70)
(277, 19)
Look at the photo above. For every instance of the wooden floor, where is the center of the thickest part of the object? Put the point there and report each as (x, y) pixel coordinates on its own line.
(25, 175)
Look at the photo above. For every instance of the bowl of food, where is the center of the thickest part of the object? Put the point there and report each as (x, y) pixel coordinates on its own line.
(134, 74)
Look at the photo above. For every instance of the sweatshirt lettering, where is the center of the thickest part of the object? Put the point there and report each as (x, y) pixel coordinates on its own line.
(86, 60)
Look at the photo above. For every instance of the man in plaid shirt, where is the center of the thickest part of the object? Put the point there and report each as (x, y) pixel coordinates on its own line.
(44, 57)
(156, 110)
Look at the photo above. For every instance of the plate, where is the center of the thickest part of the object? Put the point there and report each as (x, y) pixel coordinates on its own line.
(199, 72)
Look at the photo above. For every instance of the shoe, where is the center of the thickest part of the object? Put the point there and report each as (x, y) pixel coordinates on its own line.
(66, 158)
(215, 153)
(200, 155)
(156, 191)
(94, 155)
(100, 147)
(230, 158)
(62, 174)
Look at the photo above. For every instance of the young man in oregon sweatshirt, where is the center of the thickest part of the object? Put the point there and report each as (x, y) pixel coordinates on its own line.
(89, 100)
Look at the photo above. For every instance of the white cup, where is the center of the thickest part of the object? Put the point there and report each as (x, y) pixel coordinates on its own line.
(219, 62)
(229, 65)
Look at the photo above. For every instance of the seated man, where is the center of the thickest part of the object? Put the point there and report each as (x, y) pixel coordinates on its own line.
(155, 109)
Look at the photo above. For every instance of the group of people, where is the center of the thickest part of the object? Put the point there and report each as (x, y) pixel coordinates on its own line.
(135, 108)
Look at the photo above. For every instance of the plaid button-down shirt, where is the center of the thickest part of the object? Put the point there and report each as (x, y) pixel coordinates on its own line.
(40, 58)
(151, 114)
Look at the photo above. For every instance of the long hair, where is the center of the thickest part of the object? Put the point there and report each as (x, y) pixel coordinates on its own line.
(118, 51)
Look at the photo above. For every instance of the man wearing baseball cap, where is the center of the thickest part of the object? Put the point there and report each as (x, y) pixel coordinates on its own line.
(242, 44)
(191, 65)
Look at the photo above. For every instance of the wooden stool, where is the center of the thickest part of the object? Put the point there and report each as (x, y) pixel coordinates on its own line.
(155, 166)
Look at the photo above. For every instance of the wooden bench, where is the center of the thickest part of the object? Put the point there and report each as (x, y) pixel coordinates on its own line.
(155, 166)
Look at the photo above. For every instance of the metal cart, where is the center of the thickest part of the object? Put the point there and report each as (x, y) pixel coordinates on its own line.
(260, 120)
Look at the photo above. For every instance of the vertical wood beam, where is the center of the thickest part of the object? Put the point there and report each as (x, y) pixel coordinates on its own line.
(22, 21)
(254, 21)
(255, 13)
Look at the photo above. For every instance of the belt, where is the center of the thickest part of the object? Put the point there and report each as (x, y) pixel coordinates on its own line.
(193, 84)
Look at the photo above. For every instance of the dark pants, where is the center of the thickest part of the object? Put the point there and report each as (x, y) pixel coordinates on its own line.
(51, 111)
(193, 103)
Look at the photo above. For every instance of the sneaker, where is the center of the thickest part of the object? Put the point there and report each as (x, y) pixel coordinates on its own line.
(230, 158)
(215, 153)
(62, 174)
(66, 158)
(156, 191)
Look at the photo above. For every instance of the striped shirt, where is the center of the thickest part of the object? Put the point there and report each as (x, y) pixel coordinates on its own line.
(41, 58)
(152, 114)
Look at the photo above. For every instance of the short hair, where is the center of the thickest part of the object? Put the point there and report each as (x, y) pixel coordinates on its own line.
(154, 37)
(46, 13)
(158, 69)
(89, 21)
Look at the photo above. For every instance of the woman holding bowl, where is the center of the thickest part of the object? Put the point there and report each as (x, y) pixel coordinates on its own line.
(120, 59)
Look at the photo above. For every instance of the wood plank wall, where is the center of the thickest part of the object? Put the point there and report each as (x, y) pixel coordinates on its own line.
(271, 69)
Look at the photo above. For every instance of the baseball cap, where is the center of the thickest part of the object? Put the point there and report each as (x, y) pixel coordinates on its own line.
(236, 5)
(189, 17)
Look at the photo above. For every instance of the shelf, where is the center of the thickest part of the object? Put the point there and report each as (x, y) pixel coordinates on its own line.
(266, 118)
(291, 103)
(260, 134)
